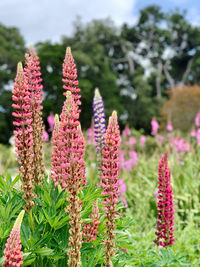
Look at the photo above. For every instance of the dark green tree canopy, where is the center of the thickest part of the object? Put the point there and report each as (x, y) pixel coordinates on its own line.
(132, 65)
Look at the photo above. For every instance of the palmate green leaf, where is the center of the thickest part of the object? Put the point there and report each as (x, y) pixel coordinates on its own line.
(47, 199)
(60, 202)
(2, 183)
(59, 224)
(49, 217)
(56, 256)
(44, 251)
(42, 241)
(15, 181)
(28, 258)
(2, 260)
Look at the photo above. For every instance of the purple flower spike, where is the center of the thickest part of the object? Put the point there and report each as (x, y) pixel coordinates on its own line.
(99, 122)
(165, 206)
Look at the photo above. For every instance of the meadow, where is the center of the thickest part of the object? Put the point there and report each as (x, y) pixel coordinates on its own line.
(46, 230)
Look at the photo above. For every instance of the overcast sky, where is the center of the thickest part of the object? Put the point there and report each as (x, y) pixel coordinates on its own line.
(40, 20)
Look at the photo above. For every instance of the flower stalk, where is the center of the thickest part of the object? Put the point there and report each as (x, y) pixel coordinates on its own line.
(165, 217)
(68, 170)
(33, 76)
(12, 252)
(70, 77)
(23, 134)
(109, 183)
(99, 125)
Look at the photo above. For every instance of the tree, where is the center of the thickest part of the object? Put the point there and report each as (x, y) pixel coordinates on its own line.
(182, 106)
(12, 49)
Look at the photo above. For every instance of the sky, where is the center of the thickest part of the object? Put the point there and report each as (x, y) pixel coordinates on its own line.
(41, 20)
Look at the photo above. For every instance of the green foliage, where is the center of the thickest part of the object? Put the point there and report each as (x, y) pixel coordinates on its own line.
(12, 49)
(44, 230)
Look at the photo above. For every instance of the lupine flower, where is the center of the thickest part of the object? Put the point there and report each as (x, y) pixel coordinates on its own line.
(91, 229)
(12, 252)
(180, 144)
(169, 126)
(133, 156)
(198, 137)
(165, 217)
(160, 138)
(68, 169)
(90, 135)
(126, 165)
(99, 123)
(51, 121)
(197, 119)
(56, 154)
(126, 132)
(45, 136)
(23, 133)
(110, 173)
(131, 142)
(154, 126)
(193, 132)
(122, 189)
(33, 76)
(70, 77)
(142, 140)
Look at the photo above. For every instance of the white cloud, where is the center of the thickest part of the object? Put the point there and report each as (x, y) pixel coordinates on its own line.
(49, 19)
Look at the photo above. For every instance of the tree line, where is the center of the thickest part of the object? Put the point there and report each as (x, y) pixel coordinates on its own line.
(133, 65)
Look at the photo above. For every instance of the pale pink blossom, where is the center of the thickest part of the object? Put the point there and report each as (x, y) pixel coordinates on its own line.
(154, 126)
(197, 119)
(169, 126)
(193, 132)
(160, 138)
(51, 121)
(126, 132)
(45, 136)
(142, 140)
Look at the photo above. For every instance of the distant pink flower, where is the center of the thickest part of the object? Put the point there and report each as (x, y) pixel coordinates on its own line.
(122, 186)
(198, 137)
(51, 121)
(180, 144)
(12, 252)
(154, 126)
(126, 132)
(131, 142)
(169, 126)
(134, 156)
(197, 119)
(165, 206)
(193, 132)
(45, 136)
(160, 138)
(90, 135)
(126, 165)
(142, 140)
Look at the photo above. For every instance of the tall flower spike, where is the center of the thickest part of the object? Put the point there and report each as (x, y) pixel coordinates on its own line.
(70, 76)
(165, 217)
(12, 252)
(69, 171)
(56, 154)
(99, 125)
(110, 174)
(33, 75)
(23, 133)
